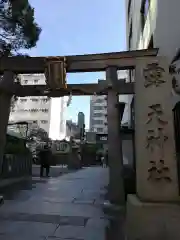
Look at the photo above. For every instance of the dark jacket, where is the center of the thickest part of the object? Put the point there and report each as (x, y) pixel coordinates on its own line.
(106, 158)
(45, 157)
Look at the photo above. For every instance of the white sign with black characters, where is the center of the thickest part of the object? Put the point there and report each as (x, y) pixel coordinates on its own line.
(62, 147)
(103, 138)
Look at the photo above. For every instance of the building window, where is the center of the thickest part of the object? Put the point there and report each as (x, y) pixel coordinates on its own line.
(130, 35)
(34, 99)
(98, 107)
(100, 129)
(98, 122)
(44, 110)
(97, 114)
(23, 100)
(45, 100)
(34, 110)
(99, 101)
(36, 81)
(44, 121)
(144, 12)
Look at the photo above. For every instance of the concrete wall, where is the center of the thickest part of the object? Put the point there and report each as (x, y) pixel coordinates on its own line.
(167, 32)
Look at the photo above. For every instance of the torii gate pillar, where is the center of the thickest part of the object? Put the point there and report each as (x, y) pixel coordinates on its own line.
(5, 104)
(115, 156)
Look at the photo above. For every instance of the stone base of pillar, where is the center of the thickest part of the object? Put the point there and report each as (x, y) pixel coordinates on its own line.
(152, 221)
(112, 208)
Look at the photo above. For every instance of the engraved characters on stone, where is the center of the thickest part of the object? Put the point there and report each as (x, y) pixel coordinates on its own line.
(156, 136)
(153, 75)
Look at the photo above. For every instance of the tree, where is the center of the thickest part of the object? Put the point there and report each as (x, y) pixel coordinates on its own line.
(18, 29)
(36, 138)
(38, 133)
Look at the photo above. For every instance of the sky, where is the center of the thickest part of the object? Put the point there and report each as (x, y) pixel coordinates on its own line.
(79, 27)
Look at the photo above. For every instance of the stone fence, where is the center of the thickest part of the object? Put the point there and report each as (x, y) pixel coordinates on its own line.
(16, 166)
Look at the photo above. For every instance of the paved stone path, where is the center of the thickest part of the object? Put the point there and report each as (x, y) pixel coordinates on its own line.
(66, 207)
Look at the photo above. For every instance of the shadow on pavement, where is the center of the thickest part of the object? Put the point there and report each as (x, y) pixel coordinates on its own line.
(115, 230)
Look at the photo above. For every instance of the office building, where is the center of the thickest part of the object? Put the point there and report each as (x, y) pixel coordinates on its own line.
(98, 110)
(98, 114)
(153, 24)
(46, 113)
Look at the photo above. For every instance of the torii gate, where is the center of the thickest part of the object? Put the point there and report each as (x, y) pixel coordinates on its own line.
(55, 69)
(156, 168)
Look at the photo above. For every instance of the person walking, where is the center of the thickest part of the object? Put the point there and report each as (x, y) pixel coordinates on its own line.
(106, 158)
(103, 161)
(45, 159)
(79, 158)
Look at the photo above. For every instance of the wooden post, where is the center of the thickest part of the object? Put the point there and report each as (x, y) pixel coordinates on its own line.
(115, 155)
(5, 104)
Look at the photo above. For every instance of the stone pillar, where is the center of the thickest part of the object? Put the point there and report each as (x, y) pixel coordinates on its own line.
(149, 213)
(115, 156)
(5, 103)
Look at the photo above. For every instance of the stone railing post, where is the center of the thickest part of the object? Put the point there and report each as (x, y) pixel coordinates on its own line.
(152, 213)
(115, 156)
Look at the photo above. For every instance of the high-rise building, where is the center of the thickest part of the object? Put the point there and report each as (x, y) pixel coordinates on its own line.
(153, 24)
(45, 112)
(81, 119)
(98, 110)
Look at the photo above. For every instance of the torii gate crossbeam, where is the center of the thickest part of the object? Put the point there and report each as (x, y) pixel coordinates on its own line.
(79, 63)
(72, 89)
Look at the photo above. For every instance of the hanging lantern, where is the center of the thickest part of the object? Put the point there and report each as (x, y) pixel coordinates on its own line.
(55, 73)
